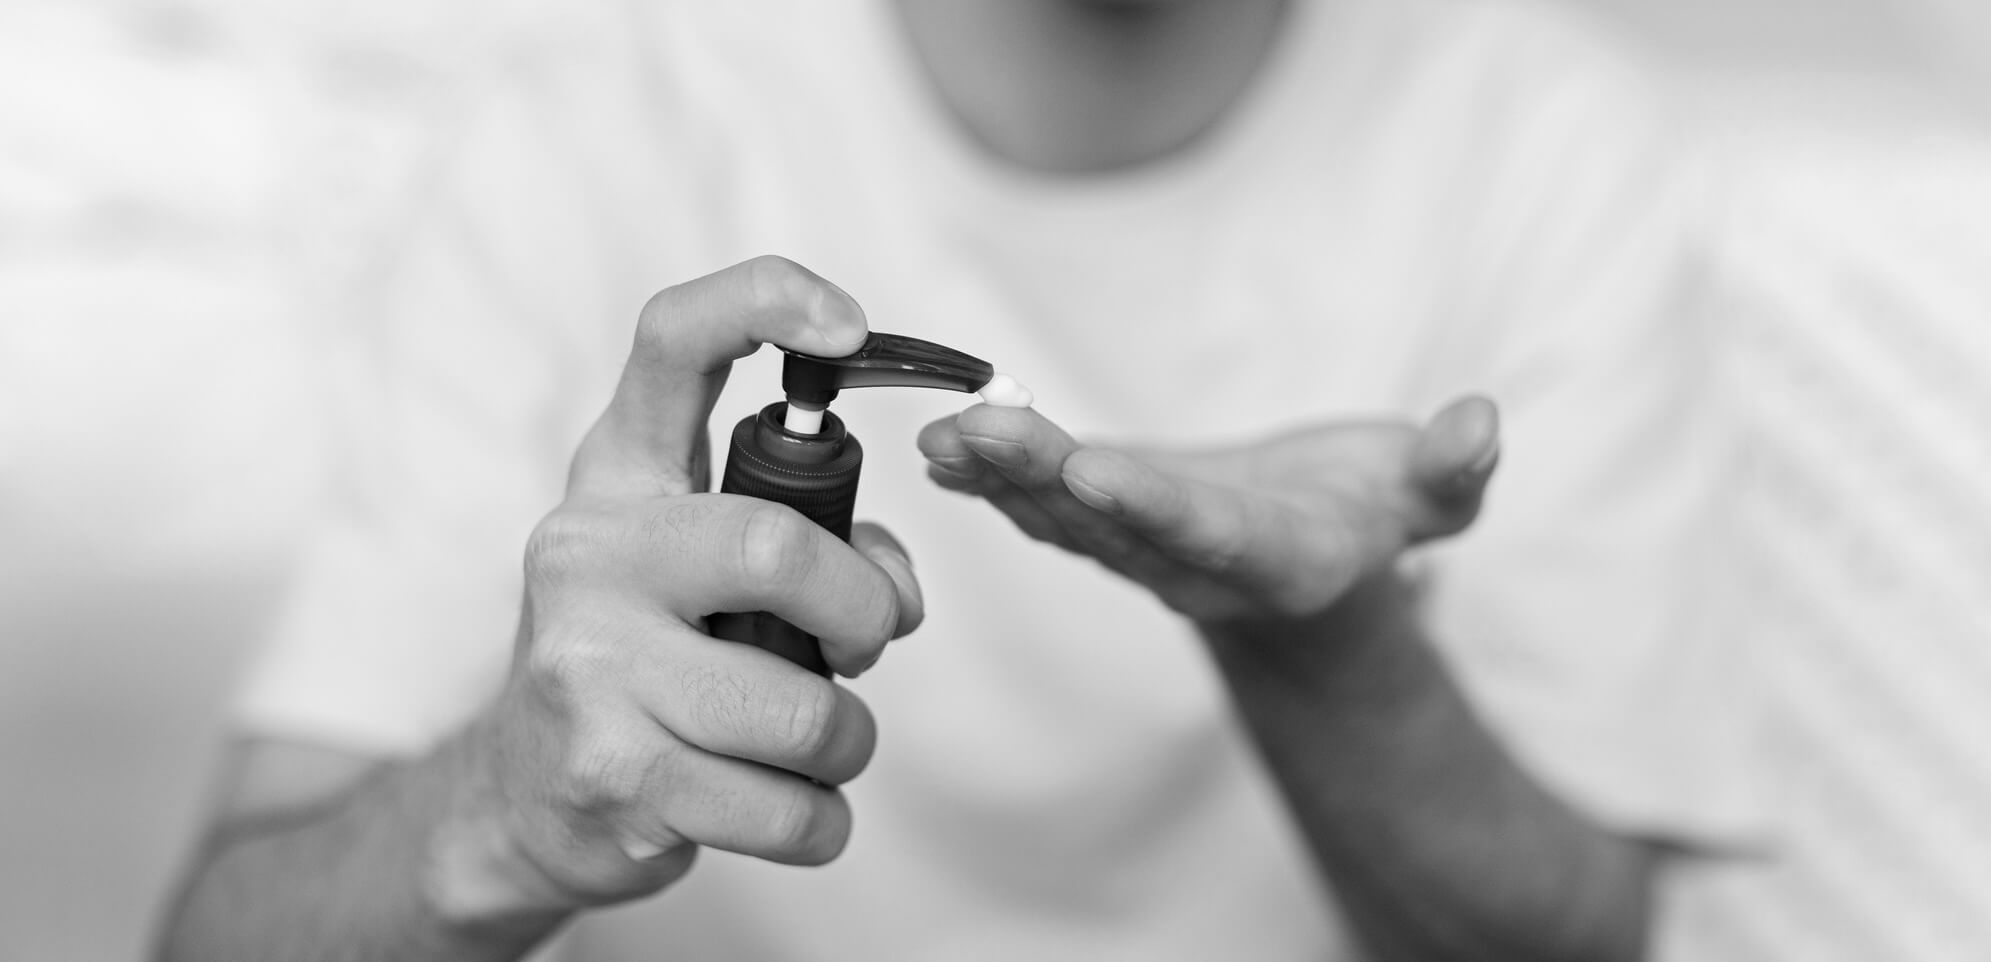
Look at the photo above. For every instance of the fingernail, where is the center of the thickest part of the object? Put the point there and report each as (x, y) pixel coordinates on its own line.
(1009, 454)
(839, 334)
(1097, 499)
(1484, 462)
(1472, 477)
(642, 850)
(901, 568)
(961, 466)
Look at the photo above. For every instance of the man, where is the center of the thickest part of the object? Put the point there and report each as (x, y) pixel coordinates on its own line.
(1185, 223)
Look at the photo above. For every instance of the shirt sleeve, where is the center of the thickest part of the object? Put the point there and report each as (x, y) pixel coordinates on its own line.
(1586, 612)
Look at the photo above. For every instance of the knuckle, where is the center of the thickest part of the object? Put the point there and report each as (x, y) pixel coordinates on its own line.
(776, 280)
(564, 669)
(776, 546)
(1231, 536)
(717, 698)
(1223, 555)
(563, 666)
(797, 829)
(558, 544)
(653, 321)
(600, 773)
(571, 656)
(804, 721)
(786, 720)
(678, 521)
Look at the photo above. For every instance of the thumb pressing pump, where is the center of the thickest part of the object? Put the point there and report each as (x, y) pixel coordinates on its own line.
(799, 454)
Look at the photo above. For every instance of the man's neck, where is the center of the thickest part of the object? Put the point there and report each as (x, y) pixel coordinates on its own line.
(1077, 86)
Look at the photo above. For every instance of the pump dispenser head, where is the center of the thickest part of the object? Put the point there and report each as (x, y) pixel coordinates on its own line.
(885, 360)
(802, 456)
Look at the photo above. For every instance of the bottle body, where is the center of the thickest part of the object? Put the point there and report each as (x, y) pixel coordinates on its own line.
(816, 474)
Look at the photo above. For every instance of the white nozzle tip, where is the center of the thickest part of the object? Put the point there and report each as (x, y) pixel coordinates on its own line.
(801, 420)
(1004, 391)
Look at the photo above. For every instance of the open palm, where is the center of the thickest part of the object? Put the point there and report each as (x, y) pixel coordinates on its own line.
(1278, 528)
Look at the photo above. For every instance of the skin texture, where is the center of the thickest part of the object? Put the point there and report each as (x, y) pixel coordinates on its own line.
(1283, 553)
(626, 738)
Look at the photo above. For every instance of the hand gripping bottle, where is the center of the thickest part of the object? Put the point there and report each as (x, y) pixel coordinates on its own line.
(797, 453)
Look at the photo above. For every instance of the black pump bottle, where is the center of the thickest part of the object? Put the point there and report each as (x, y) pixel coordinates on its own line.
(799, 454)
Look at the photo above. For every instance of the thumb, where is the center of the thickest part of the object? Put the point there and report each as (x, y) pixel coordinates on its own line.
(652, 438)
(1450, 464)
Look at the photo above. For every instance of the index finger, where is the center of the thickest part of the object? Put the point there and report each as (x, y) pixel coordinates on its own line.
(652, 438)
(1221, 530)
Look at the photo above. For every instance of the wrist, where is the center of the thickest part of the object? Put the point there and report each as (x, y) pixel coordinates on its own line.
(1379, 609)
(1320, 694)
(477, 878)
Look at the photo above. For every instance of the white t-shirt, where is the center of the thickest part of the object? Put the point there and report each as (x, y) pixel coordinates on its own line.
(1417, 199)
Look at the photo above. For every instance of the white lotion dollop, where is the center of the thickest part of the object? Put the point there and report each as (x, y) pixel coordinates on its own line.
(1004, 391)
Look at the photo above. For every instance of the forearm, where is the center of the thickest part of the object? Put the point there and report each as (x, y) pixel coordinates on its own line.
(377, 874)
(1438, 845)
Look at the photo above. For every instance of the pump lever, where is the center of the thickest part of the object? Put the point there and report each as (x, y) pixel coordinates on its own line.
(885, 360)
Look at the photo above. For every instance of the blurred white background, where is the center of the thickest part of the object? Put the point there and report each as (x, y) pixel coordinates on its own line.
(163, 167)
